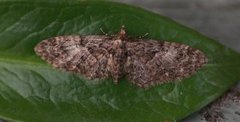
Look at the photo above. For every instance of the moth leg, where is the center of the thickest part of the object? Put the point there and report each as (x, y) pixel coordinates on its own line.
(130, 38)
(115, 81)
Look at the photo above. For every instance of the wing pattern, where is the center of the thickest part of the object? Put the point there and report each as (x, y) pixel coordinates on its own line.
(151, 62)
(144, 62)
(86, 55)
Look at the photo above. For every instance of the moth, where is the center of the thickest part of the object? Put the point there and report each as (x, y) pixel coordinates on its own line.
(144, 62)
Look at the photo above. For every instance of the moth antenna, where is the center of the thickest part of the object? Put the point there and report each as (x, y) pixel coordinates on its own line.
(143, 35)
(103, 32)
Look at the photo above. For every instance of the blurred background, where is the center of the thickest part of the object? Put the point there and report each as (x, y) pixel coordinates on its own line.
(217, 19)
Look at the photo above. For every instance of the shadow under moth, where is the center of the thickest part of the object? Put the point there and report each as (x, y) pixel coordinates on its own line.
(143, 62)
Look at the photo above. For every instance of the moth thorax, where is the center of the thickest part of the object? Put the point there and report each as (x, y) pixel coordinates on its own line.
(117, 43)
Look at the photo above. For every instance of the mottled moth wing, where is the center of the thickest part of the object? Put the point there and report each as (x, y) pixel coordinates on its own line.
(151, 62)
(145, 62)
(85, 55)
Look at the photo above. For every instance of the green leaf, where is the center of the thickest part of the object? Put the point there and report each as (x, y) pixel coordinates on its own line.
(31, 90)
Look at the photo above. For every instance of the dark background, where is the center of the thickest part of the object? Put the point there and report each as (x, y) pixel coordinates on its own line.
(217, 19)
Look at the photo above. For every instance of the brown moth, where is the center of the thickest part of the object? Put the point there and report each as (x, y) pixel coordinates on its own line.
(144, 62)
